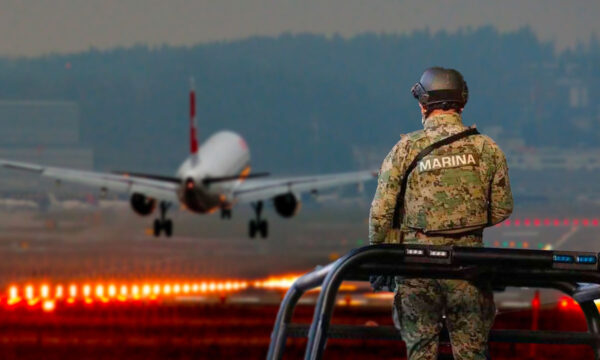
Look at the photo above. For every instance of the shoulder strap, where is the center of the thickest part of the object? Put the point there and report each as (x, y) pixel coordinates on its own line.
(400, 198)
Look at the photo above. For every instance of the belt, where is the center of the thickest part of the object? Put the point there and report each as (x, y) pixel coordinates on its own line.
(476, 232)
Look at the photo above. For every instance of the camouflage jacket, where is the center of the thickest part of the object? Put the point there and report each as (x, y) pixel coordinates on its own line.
(456, 188)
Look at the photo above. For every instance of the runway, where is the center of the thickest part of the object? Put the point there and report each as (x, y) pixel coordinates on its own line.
(230, 311)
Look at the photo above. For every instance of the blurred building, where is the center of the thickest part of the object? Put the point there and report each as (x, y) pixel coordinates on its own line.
(44, 132)
(554, 158)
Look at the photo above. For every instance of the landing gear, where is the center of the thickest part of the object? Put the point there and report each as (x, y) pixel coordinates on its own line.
(163, 223)
(225, 213)
(258, 225)
(261, 227)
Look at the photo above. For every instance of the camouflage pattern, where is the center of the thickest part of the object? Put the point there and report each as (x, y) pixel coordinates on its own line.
(420, 305)
(443, 195)
(454, 194)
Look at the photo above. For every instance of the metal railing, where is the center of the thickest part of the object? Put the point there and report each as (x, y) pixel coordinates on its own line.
(574, 273)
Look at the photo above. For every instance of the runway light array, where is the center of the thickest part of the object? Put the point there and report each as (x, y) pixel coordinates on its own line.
(47, 296)
(520, 245)
(549, 222)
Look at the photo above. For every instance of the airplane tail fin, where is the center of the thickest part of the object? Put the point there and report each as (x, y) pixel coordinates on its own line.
(193, 128)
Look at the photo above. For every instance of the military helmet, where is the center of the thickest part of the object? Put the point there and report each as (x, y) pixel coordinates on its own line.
(441, 88)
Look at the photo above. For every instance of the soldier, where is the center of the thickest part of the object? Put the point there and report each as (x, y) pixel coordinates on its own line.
(455, 190)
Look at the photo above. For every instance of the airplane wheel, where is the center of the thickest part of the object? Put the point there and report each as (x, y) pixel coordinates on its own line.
(157, 227)
(252, 228)
(226, 214)
(168, 226)
(264, 229)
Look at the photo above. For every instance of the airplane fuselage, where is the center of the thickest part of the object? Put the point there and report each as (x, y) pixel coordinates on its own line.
(223, 154)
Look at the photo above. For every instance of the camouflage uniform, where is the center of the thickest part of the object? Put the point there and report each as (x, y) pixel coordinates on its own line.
(457, 188)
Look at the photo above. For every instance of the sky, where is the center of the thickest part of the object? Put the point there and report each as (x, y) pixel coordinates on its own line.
(35, 27)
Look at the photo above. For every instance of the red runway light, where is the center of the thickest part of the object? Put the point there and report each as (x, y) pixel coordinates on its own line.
(536, 222)
(112, 291)
(13, 292)
(517, 222)
(29, 292)
(87, 290)
(535, 302)
(59, 292)
(73, 291)
(135, 291)
(99, 291)
(595, 222)
(49, 297)
(44, 291)
(146, 290)
(556, 222)
(507, 222)
(13, 296)
(586, 222)
(547, 222)
(567, 303)
(566, 222)
(527, 222)
(575, 222)
(48, 305)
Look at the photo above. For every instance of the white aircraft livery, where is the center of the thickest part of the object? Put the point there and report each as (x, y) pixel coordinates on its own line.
(215, 176)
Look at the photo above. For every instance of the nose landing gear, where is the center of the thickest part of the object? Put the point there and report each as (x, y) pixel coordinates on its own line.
(225, 213)
(258, 225)
(163, 223)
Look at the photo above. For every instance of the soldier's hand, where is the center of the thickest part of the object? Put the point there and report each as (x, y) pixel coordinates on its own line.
(382, 283)
(376, 282)
(390, 283)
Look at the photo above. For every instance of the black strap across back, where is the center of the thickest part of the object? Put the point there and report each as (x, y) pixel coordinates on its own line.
(399, 209)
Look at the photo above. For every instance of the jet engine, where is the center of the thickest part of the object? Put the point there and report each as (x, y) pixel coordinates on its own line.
(142, 204)
(286, 205)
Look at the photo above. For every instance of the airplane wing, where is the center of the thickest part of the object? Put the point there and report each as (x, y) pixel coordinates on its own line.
(164, 190)
(261, 189)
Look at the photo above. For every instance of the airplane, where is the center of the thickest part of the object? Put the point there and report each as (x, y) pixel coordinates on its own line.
(215, 176)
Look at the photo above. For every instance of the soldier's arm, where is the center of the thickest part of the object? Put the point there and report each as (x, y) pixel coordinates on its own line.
(501, 200)
(388, 187)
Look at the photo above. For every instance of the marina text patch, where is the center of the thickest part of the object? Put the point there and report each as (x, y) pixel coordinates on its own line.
(430, 163)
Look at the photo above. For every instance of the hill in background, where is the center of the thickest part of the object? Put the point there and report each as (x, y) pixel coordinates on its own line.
(308, 103)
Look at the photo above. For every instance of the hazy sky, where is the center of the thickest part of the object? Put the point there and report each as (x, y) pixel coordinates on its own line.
(32, 27)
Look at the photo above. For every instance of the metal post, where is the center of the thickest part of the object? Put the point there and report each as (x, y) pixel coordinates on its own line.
(287, 307)
(317, 335)
(284, 316)
(593, 322)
